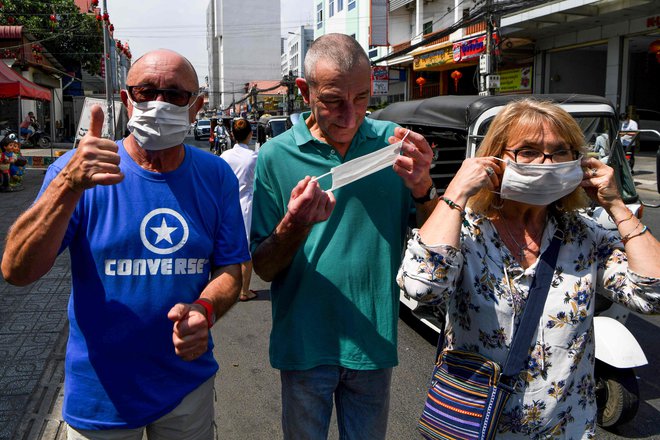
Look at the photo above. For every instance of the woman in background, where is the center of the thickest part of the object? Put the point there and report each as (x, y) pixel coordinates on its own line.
(243, 160)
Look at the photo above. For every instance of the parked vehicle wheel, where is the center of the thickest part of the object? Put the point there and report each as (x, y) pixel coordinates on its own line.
(617, 395)
(44, 142)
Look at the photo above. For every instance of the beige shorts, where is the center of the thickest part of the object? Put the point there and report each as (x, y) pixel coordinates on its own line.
(191, 420)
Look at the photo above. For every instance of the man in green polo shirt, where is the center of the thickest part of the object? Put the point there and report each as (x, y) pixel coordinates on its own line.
(332, 257)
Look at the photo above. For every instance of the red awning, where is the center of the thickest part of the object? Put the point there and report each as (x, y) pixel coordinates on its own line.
(13, 85)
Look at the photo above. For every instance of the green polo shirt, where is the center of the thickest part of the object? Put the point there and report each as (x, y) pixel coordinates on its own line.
(337, 303)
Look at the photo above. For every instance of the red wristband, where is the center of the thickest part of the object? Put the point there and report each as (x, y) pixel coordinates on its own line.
(210, 313)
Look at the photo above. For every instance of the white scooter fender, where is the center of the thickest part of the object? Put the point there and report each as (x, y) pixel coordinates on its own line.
(615, 345)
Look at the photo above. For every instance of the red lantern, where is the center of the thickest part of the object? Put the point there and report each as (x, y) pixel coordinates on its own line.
(420, 82)
(654, 48)
(98, 17)
(456, 75)
(106, 16)
(94, 3)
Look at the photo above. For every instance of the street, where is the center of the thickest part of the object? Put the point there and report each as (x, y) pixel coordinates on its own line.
(247, 388)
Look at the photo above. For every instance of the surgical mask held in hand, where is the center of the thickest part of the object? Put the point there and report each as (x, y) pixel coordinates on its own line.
(540, 184)
(157, 125)
(363, 166)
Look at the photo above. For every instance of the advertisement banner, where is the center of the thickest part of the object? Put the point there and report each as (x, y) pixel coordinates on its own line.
(435, 58)
(516, 80)
(470, 49)
(379, 80)
(85, 116)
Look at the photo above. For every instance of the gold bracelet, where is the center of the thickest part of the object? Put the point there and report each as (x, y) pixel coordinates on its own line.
(625, 219)
(627, 238)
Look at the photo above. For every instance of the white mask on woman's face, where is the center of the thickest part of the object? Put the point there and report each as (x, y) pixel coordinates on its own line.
(539, 184)
(158, 125)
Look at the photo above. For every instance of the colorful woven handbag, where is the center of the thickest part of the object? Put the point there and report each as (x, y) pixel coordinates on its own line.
(468, 391)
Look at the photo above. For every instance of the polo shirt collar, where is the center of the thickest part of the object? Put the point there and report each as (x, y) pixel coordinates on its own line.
(302, 135)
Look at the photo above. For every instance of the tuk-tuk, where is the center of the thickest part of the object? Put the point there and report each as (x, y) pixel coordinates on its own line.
(455, 126)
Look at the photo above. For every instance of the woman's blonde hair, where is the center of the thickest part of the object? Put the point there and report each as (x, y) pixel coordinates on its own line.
(526, 118)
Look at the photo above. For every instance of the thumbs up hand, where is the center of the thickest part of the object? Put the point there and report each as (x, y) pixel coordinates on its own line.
(96, 161)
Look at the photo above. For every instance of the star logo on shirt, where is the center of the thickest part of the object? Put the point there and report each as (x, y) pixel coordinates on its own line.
(164, 232)
(162, 227)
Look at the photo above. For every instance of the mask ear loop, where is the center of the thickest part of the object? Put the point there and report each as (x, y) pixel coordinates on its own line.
(500, 205)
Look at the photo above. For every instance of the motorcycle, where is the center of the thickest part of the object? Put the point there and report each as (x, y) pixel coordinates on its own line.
(219, 144)
(38, 139)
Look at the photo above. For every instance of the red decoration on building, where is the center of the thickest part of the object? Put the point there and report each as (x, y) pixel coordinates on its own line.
(654, 48)
(106, 17)
(456, 75)
(420, 82)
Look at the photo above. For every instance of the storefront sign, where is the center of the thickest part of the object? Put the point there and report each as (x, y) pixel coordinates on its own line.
(470, 49)
(435, 58)
(379, 80)
(652, 22)
(516, 80)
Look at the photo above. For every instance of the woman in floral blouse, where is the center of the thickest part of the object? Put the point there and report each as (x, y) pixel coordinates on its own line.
(526, 181)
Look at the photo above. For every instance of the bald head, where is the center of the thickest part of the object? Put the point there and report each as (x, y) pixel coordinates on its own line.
(339, 50)
(163, 62)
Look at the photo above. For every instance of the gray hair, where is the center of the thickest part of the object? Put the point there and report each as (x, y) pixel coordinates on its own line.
(341, 50)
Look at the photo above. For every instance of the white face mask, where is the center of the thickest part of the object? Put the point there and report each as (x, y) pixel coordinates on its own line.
(363, 166)
(158, 125)
(540, 184)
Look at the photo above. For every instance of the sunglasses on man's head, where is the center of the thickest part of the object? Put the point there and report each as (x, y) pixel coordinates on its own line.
(147, 93)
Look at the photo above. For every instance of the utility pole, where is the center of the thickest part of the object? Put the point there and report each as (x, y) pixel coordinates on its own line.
(109, 124)
(488, 80)
(289, 81)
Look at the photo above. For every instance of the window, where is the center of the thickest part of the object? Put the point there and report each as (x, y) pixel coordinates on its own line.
(331, 8)
(373, 53)
(428, 28)
(319, 15)
(340, 5)
(351, 4)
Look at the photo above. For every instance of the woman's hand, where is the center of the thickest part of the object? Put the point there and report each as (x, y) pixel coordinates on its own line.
(599, 183)
(474, 174)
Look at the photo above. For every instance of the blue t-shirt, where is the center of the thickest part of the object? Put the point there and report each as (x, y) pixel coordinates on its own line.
(138, 248)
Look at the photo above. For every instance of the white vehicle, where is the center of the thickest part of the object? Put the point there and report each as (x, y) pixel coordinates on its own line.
(457, 124)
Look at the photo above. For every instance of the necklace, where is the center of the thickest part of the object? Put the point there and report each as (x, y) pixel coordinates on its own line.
(521, 248)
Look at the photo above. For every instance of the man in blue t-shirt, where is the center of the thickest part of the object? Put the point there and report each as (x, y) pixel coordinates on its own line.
(156, 238)
(332, 256)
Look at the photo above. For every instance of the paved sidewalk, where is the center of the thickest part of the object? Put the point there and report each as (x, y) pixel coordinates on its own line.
(32, 336)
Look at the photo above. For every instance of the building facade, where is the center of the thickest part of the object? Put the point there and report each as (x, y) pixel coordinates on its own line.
(243, 41)
(602, 47)
(295, 50)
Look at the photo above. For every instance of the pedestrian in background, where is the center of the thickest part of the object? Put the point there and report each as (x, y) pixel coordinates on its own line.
(627, 125)
(156, 239)
(332, 258)
(480, 263)
(243, 160)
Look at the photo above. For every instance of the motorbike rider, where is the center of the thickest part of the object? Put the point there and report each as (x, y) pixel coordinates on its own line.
(220, 135)
(26, 126)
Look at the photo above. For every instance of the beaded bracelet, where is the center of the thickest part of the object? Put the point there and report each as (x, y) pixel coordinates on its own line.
(453, 205)
(625, 239)
(625, 219)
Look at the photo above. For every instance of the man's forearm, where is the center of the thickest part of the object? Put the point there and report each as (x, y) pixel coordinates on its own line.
(223, 289)
(36, 237)
(276, 252)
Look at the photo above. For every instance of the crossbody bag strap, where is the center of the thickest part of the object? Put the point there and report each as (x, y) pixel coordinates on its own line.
(538, 292)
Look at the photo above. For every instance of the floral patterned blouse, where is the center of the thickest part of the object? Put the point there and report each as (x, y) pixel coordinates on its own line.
(485, 290)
